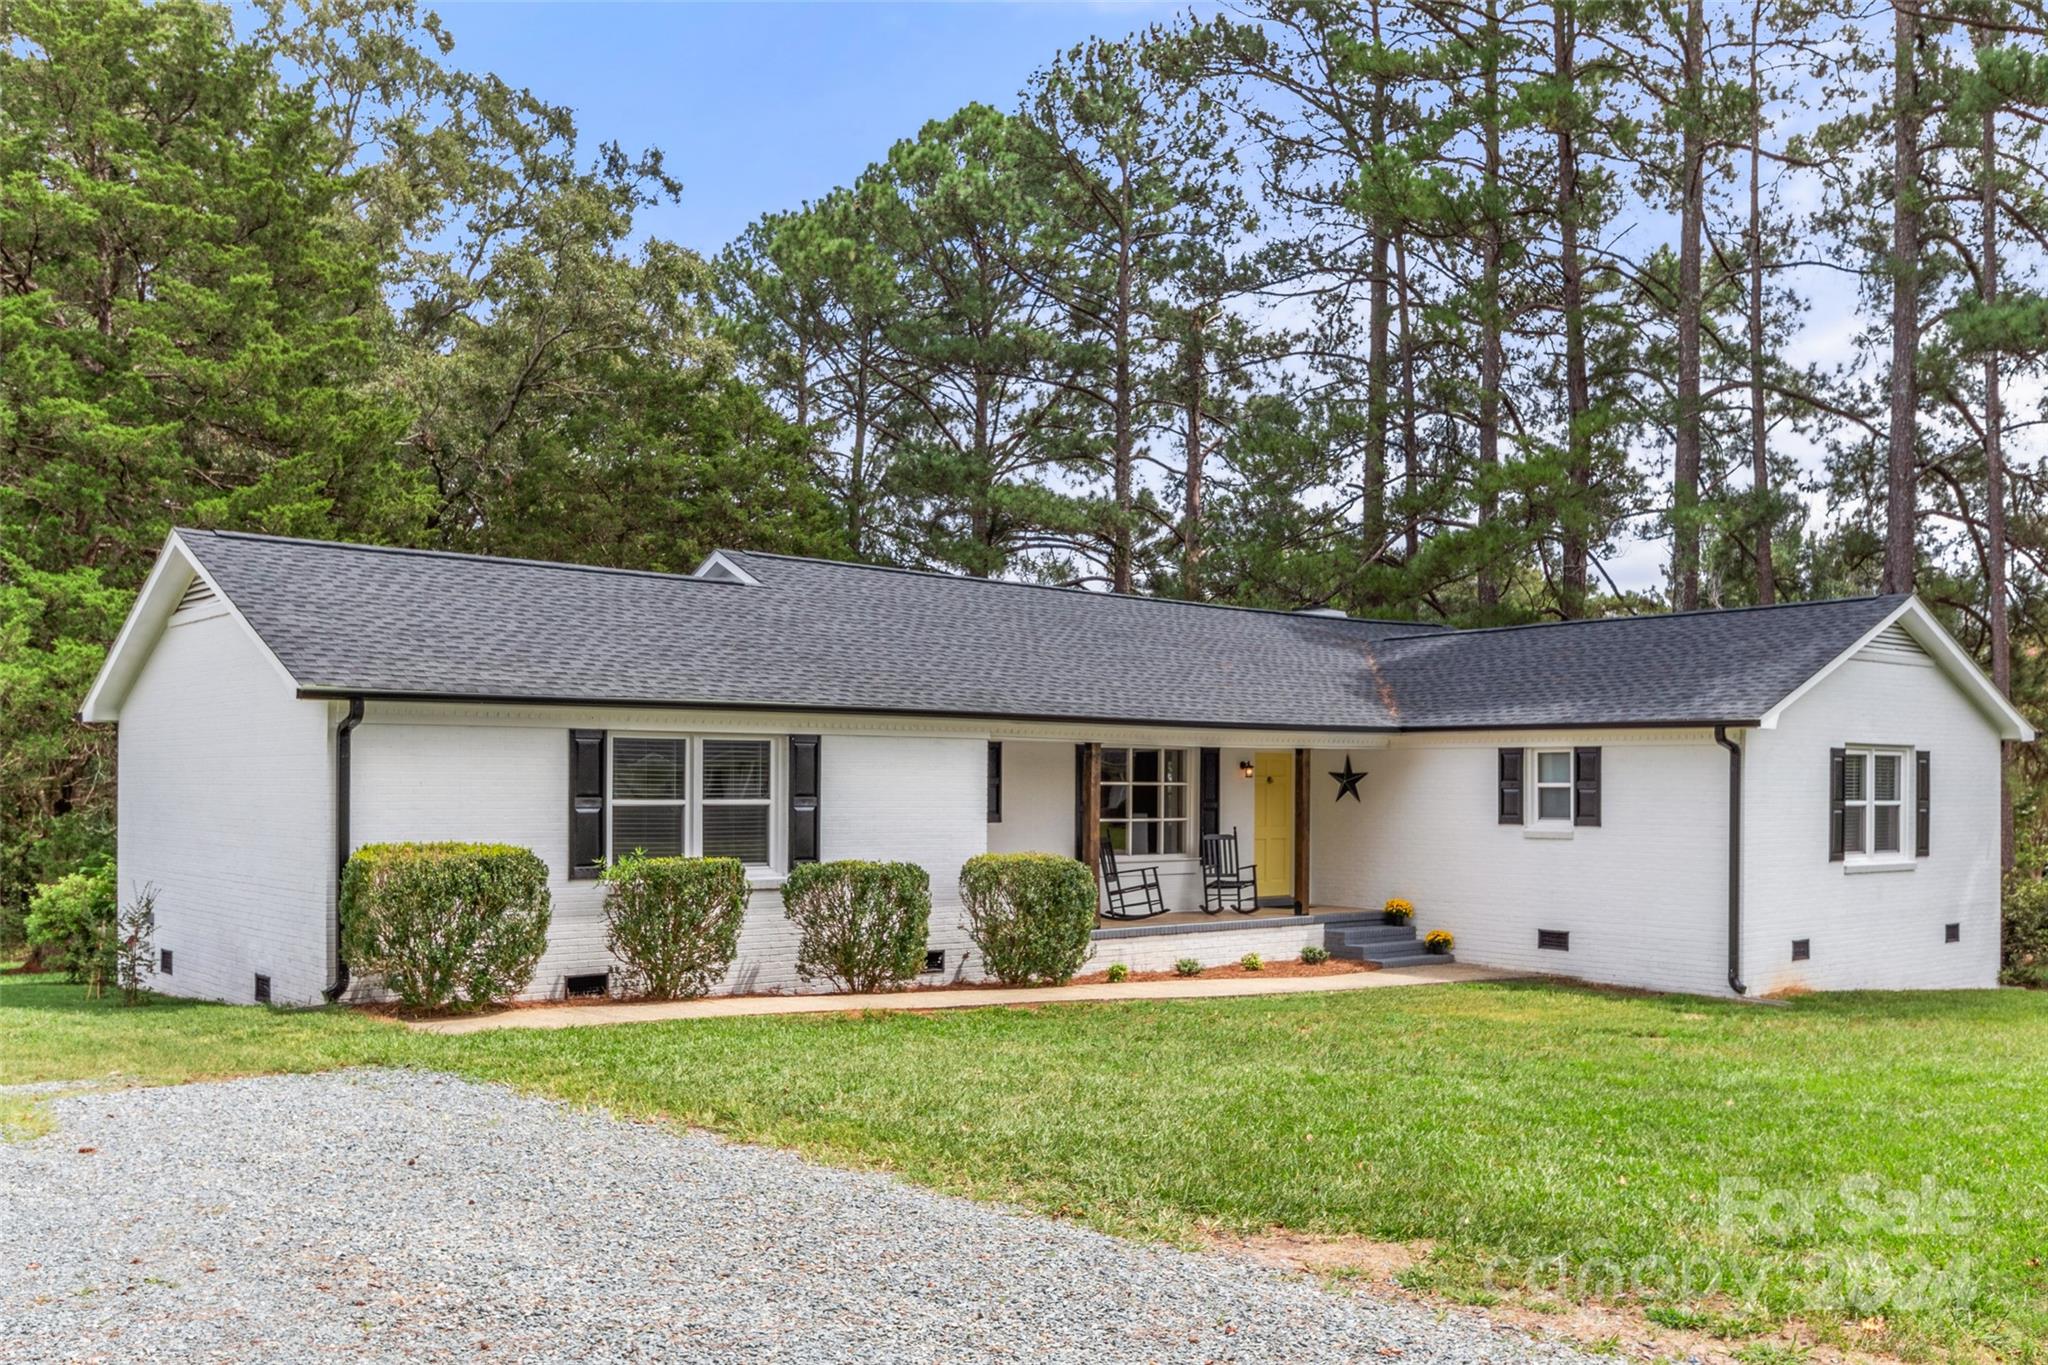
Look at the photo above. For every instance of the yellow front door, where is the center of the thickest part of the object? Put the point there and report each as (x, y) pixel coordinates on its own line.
(1273, 821)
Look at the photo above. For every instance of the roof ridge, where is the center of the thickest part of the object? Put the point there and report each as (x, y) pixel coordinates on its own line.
(1309, 613)
(1663, 615)
(464, 555)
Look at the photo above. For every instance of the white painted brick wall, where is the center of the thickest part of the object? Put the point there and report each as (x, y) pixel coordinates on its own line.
(1643, 895)
(890, 797)
(1876, 930)
(225, 806)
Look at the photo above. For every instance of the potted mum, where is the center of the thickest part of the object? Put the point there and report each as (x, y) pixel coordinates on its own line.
(1437, 941)
(1397, 911)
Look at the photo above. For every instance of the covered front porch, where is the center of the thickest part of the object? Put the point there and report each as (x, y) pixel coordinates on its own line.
(1206, 846)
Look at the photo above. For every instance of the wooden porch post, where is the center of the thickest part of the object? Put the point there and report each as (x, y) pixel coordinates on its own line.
(1087, 794)
(1301, 897)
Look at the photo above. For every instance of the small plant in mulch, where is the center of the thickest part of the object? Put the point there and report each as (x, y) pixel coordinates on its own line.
(1252, 962)
(1438, 940)
(1119, 972)
(1315, 954)
(1187, 966)
(1397, 911)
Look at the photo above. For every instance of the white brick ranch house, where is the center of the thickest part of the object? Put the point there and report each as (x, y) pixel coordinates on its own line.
(1713, 802)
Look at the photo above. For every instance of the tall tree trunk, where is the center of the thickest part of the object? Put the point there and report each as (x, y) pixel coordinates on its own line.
(1685, 491)
(1759, 450)
(1373, 512)
(1578, 440)
(1901, 490)
(1196, 378)
(1994, 464)
(1490, 345)
(1124, 442)
(1411, 458)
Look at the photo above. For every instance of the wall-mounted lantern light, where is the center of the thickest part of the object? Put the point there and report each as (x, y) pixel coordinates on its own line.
(1244, 769)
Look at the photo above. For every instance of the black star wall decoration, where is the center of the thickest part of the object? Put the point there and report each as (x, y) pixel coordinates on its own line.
(1347, 781)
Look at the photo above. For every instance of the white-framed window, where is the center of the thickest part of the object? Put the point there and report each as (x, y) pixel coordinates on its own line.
(1550, 795)
(1144, 805)
(1876, 794)
(736, 800)
(691, 796)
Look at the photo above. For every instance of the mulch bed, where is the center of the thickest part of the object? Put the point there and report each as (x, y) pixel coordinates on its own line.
(1281, 967)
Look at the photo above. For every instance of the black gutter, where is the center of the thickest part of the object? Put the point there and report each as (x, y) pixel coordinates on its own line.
(1734, 859)
(1006, 717)
(341, 790)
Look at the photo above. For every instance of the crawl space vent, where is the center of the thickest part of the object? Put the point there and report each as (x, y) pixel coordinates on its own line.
(592, 983)
(1557, 940)
(164, 961)
(1802, 949)
(935, 960)
(1953, 934)
(262, 989)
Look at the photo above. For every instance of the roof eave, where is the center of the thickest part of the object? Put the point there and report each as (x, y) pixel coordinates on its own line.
(1942, 647)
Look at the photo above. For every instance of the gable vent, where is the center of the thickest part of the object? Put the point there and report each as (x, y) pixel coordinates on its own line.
(197, 594)
(1894, 646)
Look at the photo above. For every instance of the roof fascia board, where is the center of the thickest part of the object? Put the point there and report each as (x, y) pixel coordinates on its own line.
(155, 604)
(1015, 725)
(1953, 659)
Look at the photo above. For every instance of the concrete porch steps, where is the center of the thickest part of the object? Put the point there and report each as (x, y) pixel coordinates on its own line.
(1383, 945)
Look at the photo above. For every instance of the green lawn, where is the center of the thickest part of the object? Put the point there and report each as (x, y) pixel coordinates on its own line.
(1551, 1143)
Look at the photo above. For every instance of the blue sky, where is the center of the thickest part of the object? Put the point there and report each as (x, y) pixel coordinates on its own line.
(761, 106)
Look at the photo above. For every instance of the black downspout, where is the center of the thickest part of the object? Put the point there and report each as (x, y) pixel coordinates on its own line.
(341, 789)
(1734, 859)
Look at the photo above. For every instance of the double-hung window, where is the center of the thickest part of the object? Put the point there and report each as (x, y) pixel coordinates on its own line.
(1874, 797)
(735, 802)
(1553, 787)
(681, 796)
(1145, 800)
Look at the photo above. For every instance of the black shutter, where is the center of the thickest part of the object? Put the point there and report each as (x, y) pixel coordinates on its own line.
(1920, 806)
(1211, 793)
(1586, 786)
(1837, 762)
(803, 799)
(586, 804)
(995, 782)
(1510, 786)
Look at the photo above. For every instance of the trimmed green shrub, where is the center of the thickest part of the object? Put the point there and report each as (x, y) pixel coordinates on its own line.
(861, 926)
(1252, 962)
(2025, 936)
(1030, 914)
(1315, 953)
(1119, 971)
(71, 921)
(445, 922)
(674, 922)
(1187, 966)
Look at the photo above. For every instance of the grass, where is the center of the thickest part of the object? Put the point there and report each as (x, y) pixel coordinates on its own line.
(1871, 1167)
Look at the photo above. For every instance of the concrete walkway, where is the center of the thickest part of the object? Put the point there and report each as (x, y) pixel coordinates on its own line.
(736, 1006)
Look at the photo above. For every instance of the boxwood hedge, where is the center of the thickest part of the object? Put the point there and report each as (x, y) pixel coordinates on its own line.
(674, 923)
(1030, 914)
(445, 923)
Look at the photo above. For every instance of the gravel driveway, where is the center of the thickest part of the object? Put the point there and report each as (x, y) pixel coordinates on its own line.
(395, 1215)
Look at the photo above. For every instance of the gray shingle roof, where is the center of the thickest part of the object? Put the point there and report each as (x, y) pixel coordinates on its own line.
(816, 634)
